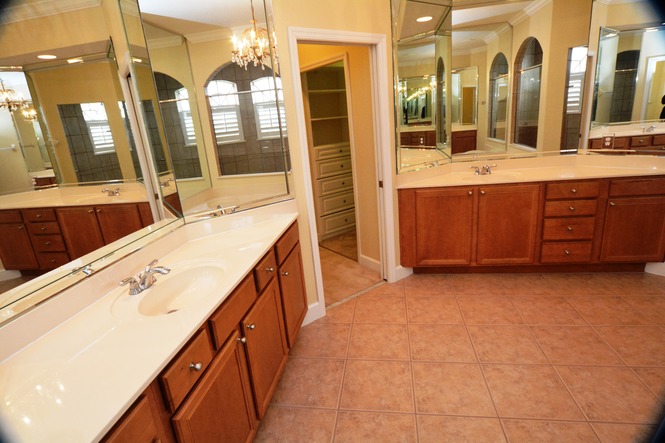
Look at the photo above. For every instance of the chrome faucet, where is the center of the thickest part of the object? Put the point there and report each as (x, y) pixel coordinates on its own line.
(166, 183)
(227, 210)
(483, 170)
(649, 129)
(111, 192)
(146, 279)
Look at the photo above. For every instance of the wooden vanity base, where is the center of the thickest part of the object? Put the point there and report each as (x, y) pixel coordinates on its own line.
(624, 267)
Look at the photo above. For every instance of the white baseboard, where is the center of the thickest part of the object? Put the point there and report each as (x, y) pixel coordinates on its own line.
(315, 311)
(655, 268)
(370, 263)
(8, 275)
(400, 272)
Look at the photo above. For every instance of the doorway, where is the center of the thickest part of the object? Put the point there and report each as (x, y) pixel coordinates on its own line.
(336, 92)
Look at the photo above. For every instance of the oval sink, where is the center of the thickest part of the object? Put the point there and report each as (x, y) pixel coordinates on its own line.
(172, 292)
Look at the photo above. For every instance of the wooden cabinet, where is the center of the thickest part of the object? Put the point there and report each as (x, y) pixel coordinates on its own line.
(635, 221)
(463, 141)
(329, 149)
(416, 139)
(468, 225)
(220, 408)
(15, 248)
(46, 238)
(653, 144)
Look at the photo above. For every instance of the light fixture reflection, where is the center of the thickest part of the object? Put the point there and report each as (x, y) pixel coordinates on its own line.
(253, 46)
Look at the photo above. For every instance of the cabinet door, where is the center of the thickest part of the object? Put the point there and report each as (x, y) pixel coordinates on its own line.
(15, 248)
(117, 221)
(294, 299)
(444, 226)
(138, 425)
(220, 408)
(634, 230)
(80, 230)
(507, 224)
(263, 327)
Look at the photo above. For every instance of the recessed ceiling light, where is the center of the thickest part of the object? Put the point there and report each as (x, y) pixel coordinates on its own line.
(424, 19)
(47, 57)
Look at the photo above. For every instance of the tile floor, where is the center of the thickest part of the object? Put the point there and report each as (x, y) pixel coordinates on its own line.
(480, 358)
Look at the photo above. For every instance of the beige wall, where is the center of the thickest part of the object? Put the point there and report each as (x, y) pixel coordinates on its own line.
(363, 136)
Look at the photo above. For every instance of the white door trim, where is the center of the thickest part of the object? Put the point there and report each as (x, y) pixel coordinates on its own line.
(382, 127)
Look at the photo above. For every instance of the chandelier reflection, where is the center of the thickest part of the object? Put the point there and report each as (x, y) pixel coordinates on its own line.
(253, 46)
(29, 112)
(9, 100)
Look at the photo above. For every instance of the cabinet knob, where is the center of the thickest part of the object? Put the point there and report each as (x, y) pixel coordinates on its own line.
(99, 210)
(566, 252)
(43, 228)
(270, 269)
(572, 208)
(52, 260)
(47, 243)
(343, 183)
(574, 191)
(482, 192)
(612, 204)
(242, 340)
(21, 227)
(252, 326)
(38, 215)
(90, 211)
(570, 229)
(285, 273)
(196, 366)
(470, 192)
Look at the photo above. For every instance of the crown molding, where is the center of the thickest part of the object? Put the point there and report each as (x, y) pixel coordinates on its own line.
(208, 36)
(529, 11)
(166, 42)
(44, 8)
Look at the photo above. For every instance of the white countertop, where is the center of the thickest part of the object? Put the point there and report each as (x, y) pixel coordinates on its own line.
(74, 196)
(72, 383)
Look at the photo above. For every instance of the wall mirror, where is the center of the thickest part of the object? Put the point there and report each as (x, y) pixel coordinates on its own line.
(464, 96)
(494, 37)
(227, 137)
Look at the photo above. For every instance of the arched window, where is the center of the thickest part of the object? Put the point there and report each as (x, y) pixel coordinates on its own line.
(498, 97)
(528, 67)
(225, 109)
(268, 100)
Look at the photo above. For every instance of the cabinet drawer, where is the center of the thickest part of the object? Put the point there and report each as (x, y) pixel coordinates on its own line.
(48, 243)
(228, 316)
(338, 222)
(335, 184)
(637, 186)
(566, 252)
(586, 189)
(137, 425)
(52, 260)
(336, 203)
(331, 151)
(571, 228)
(186, 369)
(658, 140)
(11, 217)
(286, 243)
(44, 228)
(265, 270)
(334, 167)
(37, 215)
(570, 208)
(640, 140)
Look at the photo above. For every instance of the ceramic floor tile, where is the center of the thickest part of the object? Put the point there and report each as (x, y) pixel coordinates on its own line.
(284, 424)
(541, 310)
(345, 244)
(377, 386)
(387, 290)
(636, 345)
(327, 340)
(446, 343)
(579, 284)
(439, 428)
(651, 306)
(576, 345)
(451, 389)
(488, 310)
(607, 310)
(529, 391)
(635, 283)
(310, 382)
(477, 284)
(379, 341)
(433, 309)
(525, 285)
(371, 308)
(622, 433)
(610, 394)
(548, 431)
(428, 284)
(505, 344)
(353, 427)
(342, 313)
(654, 378)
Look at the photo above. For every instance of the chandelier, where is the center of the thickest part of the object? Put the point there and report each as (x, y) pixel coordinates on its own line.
(9, 100)
(29, 112)
(253, 46)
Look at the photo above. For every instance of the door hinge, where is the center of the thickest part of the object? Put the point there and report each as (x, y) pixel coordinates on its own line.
(380, 183)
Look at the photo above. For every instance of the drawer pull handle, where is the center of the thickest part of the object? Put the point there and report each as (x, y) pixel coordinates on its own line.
(242, 340)
(285, 273)
(38, 215)
(252, 326)
(572, 208)
(566, 252)
(46, 243)
(271, 269)
(21, 227)
(343, 183)
(52, 260)
(43, 228)
(196, 366)
(570, 229)
(612, 204)
(90, 211)
(574, 191)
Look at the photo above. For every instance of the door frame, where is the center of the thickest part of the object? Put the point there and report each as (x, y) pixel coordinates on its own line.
(380, 79)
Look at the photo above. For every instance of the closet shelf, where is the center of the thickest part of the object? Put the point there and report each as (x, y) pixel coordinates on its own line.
(334, 117)
(326, 91)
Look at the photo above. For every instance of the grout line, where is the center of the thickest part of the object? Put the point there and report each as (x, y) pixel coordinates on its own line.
(356, 295)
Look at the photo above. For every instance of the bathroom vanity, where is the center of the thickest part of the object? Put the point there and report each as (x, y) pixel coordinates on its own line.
(576, 217)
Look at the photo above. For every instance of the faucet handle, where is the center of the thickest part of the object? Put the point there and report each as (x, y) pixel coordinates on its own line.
(151, 264)
(134, 287)
(477, 169)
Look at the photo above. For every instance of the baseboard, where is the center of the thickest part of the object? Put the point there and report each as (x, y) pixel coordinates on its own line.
(370, 263)
(655, 268)
(315, 311)
(8, 275)
(400, 272)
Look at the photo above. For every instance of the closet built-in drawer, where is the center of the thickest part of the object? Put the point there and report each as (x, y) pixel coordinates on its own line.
(566, 252)
(569, 228)
(48, 243)
(185, 370)
(330, 168)
(331, 185)
(335, 203)
(38, 215)
(44, 228)
(638, 186)
(586, 189)
(570, 208)
(226, 319)
(51, 260)
(327, 152)
(338, 222)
